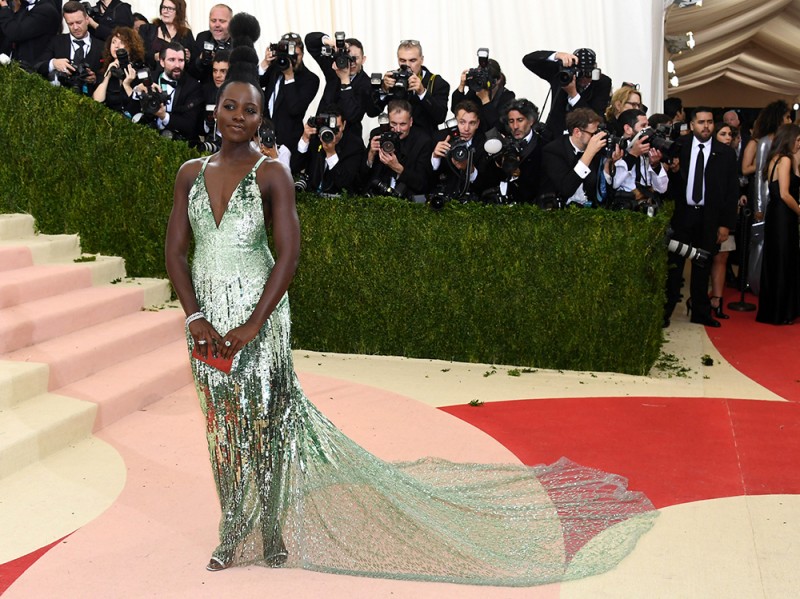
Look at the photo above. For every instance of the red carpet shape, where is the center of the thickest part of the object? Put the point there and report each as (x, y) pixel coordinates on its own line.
(676, 450)
(764, 353)
(10, 571)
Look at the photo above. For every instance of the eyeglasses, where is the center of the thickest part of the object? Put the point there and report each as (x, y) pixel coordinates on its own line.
(632, 104)
(589, 132)
(167, 8)
(291, 36)
(410, 43)
(631, 85)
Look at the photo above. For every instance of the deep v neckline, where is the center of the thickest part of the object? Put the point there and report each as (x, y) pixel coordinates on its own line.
(233, 193)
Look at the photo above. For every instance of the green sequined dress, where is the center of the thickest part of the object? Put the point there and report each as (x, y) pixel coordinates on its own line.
(297, 492)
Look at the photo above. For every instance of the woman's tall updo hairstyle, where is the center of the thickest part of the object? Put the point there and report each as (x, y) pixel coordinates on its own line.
(244, 30)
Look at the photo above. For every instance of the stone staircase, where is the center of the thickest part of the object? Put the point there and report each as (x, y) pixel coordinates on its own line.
(80, 346)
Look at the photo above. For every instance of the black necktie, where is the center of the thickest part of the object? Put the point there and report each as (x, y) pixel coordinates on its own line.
(79, 54)
(699, 167)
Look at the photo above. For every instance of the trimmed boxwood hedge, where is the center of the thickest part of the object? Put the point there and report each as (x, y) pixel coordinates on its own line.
(574, 289)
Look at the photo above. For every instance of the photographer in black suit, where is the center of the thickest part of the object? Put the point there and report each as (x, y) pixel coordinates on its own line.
(426, 92)
(346, 86)
(516, 169)
(288, 86)
(577, 164)
(178, 114)
(73, 59)
(490, 96)
(399, 155)
(329, 158)
(107, 15)
(27, 26)
(575, 83)
(704, 214)
(208, 43)
(458, 153)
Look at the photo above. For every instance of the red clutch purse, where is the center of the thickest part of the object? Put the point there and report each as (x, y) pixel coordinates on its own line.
(218, 363)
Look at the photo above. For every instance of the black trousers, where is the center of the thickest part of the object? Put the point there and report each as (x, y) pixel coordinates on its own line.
(689, 230)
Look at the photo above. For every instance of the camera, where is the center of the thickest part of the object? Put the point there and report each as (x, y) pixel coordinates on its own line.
(207, 55)
(150, 101)
(341, 57)
(285, 52)
(493, 195)
(459, 150)
(326, 126)
(612, 140)
(478, 78)
(124, 60)
(697, 255)
(389, 139)
(377, 188)
(506, 151)
(301, 184)
(77, 79)
(92, 11)
(401, 77)
(267, 136)
(658, 138)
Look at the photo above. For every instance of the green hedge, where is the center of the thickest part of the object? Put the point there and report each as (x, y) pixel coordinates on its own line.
(576, 289)
(81, 168)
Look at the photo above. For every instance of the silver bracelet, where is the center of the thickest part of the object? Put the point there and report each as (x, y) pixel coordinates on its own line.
(192, 317)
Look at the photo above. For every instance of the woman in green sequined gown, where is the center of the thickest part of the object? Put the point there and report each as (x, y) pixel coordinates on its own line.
(294, 490)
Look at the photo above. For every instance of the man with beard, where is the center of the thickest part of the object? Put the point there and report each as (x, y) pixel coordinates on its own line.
(179, 116)
(704, 214)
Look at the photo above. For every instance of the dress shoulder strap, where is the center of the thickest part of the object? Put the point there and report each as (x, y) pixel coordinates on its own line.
(774, 166)
(205, 164)
(258, 163)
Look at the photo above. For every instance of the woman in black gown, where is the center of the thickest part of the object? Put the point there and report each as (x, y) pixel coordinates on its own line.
(779, 300)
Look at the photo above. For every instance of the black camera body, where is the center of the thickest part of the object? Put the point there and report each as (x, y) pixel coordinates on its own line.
(566, 73)
(326, 126)
(267, 136)
(152, 101)
(77, 79)
(124, 60)
(612, 140)
(478, 78)
(401, 77)
(459, 150)
(92, 11)
(506, 151)
(341, 57)
(658, 138)
(285, 52)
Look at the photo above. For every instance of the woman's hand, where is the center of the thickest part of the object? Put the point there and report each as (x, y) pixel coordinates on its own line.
(205, 337)
(236, 339)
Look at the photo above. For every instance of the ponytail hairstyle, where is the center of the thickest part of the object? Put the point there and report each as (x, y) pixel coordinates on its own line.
(244, 30)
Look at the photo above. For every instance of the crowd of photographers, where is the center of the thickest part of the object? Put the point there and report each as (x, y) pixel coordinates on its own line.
(595, 149)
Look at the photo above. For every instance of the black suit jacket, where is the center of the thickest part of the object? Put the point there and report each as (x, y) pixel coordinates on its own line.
(414, 153)
(343, 177)
(559, 160)
(187, 108)
(596, 96)
(354, 100)
(61, 47)
(526, 186)
(447, 178)
(117, 14)
(429, 112)
(291, 103)
(721, 192)
(29, 31)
